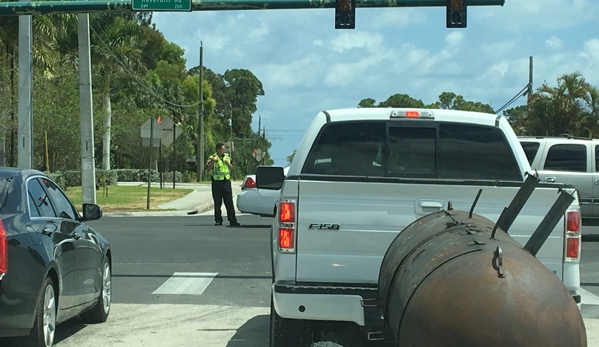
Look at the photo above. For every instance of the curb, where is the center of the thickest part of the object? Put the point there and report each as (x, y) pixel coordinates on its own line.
(208, 206)
(201, 208)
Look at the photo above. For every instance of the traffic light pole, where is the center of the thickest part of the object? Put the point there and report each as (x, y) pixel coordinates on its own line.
(48, 7)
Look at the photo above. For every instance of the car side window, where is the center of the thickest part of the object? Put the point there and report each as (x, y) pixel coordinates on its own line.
(530, 149)
(33, 209)
(566, 157)
(597, 158)
(63, 206)
(40, 200)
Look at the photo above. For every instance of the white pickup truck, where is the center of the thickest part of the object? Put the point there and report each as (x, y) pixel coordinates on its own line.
(360, 176)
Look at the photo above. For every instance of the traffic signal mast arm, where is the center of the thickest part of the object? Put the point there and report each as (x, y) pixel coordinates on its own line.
(47, 7)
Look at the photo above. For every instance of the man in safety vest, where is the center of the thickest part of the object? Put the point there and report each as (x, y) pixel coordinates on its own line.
(219, 166)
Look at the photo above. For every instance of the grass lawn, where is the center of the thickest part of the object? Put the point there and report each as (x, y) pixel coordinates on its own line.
(127, 198)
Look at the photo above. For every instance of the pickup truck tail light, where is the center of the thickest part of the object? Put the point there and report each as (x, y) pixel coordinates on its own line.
(3, 251)
(573, 236)
(287, 225)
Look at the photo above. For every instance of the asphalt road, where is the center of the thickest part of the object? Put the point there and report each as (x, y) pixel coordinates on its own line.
(181, 281)
(228, 294)
(589, 268)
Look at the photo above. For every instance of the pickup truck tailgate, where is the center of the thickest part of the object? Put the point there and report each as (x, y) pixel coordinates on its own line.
(344, 228)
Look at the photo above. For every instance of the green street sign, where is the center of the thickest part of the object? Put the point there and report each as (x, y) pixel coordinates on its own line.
(161, 5)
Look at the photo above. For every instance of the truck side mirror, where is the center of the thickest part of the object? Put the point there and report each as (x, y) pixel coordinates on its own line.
(269, 177)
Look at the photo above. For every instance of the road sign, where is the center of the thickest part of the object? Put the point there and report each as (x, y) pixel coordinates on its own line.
(163, 130)
(145, 133)
(161, 5)
(166, 125)
(257, 153)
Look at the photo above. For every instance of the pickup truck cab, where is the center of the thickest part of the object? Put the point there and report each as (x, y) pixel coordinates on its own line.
(360, 176)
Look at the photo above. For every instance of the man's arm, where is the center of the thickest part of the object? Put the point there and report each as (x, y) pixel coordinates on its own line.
(210, 163)
(227, 161)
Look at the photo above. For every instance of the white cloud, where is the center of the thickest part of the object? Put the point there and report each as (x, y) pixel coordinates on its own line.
(306, 66)
(454, 38)
(554, 42)
(517, 15)
(395, 17)
(359, 39)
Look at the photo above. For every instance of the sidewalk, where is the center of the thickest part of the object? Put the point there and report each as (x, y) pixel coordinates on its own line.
(196, 202)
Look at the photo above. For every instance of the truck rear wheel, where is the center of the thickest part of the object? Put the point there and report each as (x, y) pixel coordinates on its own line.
(289, 332)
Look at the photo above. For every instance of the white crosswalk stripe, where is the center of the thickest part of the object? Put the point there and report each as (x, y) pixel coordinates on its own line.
(191, 283)
(588, 298)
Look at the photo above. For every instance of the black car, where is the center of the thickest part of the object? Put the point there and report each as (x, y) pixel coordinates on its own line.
(53, 266)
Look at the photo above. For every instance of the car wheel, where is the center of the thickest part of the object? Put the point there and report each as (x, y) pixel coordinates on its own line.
(44, 326)
(99, 313)
(288, 332)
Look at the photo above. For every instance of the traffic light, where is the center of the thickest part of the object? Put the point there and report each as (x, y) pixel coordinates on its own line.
(456, 13)
(345, 14)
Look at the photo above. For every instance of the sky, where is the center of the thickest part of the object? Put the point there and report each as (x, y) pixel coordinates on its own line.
(307, 66)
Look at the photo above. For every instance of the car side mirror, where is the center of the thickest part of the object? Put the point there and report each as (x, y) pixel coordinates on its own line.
(91, 212)
(269, 177)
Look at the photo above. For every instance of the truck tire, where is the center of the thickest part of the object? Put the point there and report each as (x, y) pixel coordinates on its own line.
(289, 332)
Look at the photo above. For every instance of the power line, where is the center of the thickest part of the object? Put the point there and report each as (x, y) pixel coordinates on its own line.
(512, 100)
(183, 25)
(108, 24)
(132, 74)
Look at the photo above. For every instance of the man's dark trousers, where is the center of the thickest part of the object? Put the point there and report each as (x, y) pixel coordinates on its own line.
(221, 190)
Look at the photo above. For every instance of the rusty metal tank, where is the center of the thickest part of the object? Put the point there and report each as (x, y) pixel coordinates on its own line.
(446, 282)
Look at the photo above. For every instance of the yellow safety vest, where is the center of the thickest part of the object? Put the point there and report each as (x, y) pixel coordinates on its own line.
(220, 170)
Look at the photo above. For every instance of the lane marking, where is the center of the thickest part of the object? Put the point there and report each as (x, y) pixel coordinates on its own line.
(588, 298)
(191, 283)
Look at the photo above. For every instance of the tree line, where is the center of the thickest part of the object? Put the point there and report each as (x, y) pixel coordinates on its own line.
(569, 108)
(136, 75)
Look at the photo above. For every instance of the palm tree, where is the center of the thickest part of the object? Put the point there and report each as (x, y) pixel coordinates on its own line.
(559, 110)
(115, 49)
(46, 31)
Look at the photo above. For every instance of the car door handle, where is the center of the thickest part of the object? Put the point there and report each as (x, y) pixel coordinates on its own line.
(550, 179)
(430, 204)
(49, 229)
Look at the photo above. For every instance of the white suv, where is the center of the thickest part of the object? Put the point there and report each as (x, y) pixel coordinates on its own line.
(567, 160)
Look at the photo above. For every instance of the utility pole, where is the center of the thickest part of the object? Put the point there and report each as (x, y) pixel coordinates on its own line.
(152, 120)
(529, 94)
(259, 124)
(13, 154)
(25, 136)
(200, 150)
(88, 164)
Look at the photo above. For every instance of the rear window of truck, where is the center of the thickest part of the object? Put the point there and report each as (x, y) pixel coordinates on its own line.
(412, 150)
